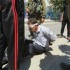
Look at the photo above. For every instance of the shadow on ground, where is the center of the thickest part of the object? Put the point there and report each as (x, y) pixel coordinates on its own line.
(52, 62)
(26, 63)
(65, 49)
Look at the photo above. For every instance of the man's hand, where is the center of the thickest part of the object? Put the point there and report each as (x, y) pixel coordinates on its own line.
(27, 10)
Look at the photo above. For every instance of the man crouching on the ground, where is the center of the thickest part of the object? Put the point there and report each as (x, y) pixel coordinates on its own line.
(41, 37)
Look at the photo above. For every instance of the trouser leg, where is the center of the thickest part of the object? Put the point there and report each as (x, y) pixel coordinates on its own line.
(68, 29)
(11, 49)
(11, 53)
(20, 45)
(35, 48)
(26, 47)
(31, 48)
(63, 26)
(20, 41)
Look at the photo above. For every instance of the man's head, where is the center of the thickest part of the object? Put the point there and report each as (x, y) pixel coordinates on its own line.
(33, 25)
(32, 21)
(42, 20)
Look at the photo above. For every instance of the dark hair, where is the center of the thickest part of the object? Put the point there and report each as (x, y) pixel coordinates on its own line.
(32, 21)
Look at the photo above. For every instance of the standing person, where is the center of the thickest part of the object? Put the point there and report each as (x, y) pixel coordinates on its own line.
(3, 40)
(36, 9)
(65, 19)
(66, 66)
(8, 24)
(41, 37)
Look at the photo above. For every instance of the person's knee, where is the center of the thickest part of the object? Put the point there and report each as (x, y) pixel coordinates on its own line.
(31, 49)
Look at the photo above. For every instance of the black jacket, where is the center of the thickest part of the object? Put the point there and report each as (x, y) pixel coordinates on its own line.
(8, 25)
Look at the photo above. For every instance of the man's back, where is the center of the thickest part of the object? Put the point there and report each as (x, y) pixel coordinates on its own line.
(34, 10)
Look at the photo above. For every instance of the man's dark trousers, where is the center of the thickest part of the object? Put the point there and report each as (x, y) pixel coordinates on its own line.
(64, 22)
(8, 24)
(33, 48)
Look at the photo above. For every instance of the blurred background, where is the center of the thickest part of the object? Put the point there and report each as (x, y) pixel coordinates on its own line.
(54, 9)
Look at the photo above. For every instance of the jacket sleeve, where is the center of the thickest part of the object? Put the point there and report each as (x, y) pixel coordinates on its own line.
(44, 8)
(49, 34)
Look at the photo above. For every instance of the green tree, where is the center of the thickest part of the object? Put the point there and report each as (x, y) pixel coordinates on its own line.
(57, 5)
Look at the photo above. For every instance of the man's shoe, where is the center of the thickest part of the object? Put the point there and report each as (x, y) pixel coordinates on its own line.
(50, 43)
(68, 39)
(60, 35)
(65, 66)
(48, 49)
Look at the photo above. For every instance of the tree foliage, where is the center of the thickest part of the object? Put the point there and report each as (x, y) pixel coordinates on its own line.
(57, 5)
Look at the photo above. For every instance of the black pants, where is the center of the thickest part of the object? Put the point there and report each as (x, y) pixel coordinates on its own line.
(31, 48)
(10, 38)
(35, 48)
(64, 22)
(8, 26)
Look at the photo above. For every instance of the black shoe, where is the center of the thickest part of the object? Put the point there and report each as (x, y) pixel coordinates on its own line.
(60, 35)
(65, 66)
(68, 39)
(48, 49)
(50, 43)
(30, 35)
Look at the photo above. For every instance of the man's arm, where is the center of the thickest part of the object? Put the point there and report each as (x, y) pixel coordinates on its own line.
(49, 34)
